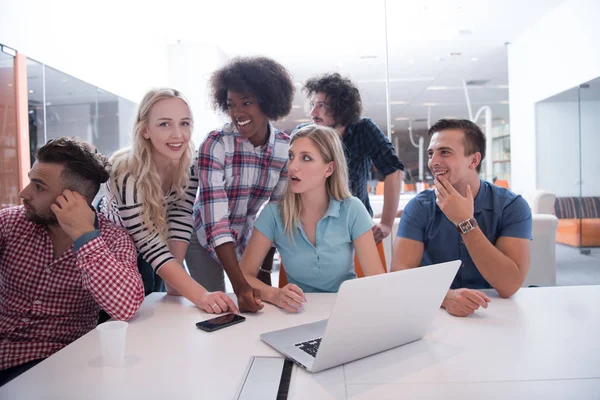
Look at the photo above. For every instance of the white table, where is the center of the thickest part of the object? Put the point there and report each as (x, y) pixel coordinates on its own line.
(542, 343)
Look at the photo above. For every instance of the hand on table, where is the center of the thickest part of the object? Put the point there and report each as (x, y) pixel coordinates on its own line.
(216, 303)
(249, 300)
(464, 302)
(290, 298)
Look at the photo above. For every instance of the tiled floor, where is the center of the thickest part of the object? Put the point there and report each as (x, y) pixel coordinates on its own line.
(574, 268)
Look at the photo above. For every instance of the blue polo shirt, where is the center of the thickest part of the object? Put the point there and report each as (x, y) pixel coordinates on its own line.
(498, 211)
(320, 268)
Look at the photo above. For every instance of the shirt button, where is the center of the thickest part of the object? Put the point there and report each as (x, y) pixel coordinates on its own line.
(37, 302)
(25, 319)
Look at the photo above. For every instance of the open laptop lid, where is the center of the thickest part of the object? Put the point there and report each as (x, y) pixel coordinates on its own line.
(377, 313)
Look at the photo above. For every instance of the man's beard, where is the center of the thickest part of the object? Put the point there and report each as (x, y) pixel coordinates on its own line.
(42, 220)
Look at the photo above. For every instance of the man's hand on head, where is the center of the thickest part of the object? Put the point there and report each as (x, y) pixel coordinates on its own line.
(74, 214)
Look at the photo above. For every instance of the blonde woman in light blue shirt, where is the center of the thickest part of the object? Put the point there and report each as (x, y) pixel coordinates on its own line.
(317, 227)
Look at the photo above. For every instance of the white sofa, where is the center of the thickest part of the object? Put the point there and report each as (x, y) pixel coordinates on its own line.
(540, 201)
(542, 265)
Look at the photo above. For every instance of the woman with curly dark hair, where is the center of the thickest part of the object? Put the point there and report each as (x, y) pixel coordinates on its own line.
(240, 167)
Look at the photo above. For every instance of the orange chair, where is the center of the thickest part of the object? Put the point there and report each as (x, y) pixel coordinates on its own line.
(379, 188)
(357, 268)
(410, 187)
(502, 183)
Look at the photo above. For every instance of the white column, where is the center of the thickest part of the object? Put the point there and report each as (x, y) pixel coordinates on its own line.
(190, 67)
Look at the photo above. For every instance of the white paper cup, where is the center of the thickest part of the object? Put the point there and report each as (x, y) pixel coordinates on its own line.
(112, 342)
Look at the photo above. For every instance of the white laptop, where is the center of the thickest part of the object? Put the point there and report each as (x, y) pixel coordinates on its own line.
(370, 315)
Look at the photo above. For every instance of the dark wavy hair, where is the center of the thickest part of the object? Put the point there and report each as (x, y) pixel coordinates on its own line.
(343, 97)
(474, 139)
(84, 169)
(268, 80)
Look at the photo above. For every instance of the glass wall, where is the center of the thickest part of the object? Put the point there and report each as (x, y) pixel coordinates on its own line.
(568, 162)
(61, 105)
(9, 166)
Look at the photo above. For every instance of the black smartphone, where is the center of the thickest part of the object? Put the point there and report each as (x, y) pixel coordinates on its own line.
(220, 322)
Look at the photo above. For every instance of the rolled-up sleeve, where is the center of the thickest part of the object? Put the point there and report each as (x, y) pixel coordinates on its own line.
(212, 204)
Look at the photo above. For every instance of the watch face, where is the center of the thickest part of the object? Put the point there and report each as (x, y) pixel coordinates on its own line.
(467, 225)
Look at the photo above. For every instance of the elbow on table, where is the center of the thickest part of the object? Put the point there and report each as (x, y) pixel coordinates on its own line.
(507, 291)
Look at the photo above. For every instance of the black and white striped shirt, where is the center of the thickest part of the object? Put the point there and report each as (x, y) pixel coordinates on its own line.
(124, 209)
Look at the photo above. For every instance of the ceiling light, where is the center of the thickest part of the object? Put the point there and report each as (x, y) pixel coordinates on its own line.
(302, 120)
(505, 102)
(437, 88)
(401, 119)
(366, 57)
(450, 117)
(429, 104)
(30, 91)
(396, 103)
(473, 58)
(455, 54)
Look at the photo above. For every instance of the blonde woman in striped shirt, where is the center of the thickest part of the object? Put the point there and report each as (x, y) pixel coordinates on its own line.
(151, 193)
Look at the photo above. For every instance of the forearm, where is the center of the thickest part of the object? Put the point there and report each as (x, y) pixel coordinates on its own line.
(391, 197)
(177, 249)
(267, 292)
(228, 258)
(498, 269)
(113, 281)
(175, 276)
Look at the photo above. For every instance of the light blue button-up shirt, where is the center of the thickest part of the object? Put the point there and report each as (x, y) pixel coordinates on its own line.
(320, 268)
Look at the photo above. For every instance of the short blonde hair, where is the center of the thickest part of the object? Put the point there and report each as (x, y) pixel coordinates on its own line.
(330, 147)
(137, 161)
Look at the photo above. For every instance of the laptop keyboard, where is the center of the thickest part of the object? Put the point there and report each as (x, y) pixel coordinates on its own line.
(310, 346)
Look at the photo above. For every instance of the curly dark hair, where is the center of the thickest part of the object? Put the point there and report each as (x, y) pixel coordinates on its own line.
(268, 80)
(474, 139)
(84, 168)
(343, 97)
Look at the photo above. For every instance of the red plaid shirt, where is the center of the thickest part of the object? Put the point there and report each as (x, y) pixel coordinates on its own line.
(47, 303)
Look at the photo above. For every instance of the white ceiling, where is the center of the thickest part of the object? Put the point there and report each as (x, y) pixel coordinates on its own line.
(316, 36)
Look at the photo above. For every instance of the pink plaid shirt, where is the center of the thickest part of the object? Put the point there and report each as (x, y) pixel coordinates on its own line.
(47, 303)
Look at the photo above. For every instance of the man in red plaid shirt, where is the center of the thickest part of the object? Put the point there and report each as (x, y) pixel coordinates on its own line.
(60, 262)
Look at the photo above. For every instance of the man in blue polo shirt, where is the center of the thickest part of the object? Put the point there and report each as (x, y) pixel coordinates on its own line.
(487, 227)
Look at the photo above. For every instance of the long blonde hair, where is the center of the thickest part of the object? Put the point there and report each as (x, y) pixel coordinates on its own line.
(329, 144)
(137, 161)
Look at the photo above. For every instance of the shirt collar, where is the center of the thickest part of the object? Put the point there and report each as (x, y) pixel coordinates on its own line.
(347, 132)
(334, 208)
(484, 198)
(230, 128)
